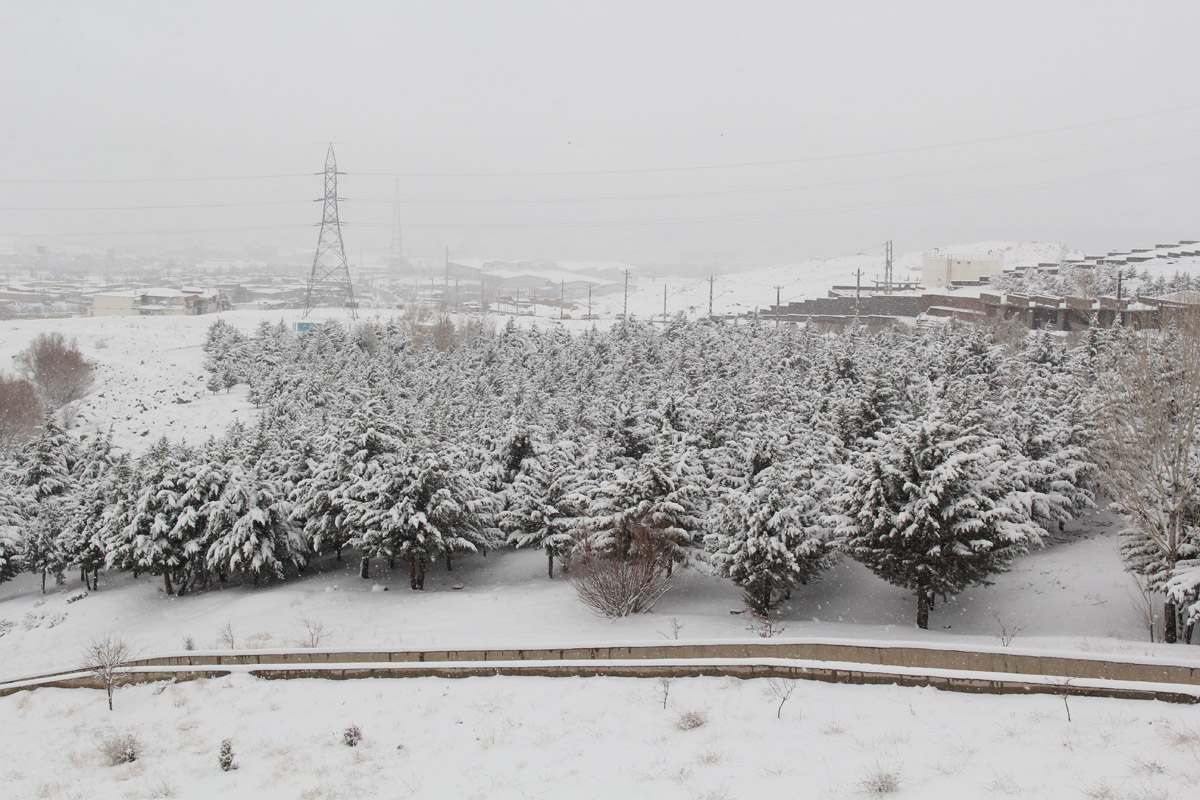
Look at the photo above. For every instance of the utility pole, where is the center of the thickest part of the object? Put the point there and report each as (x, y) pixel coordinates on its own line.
(887, 268)
(1120, 313)
(562, 298)
(589, 302)
(711, 278)
(664, 305)
(625, 308)
(446, 281)
(857, 289)
(777, 290)
(457, 305)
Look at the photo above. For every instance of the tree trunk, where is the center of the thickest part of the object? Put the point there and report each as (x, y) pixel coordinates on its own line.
(421, 574)
(391, 562)
(109, 687)
(43, 581)
(550, 564)
(922, 609)
(83, 577)
(96, 579)
(412, 573)
(167, 581)
(449, 563)
(1187, 630)
(364, 567)
(1169, 627)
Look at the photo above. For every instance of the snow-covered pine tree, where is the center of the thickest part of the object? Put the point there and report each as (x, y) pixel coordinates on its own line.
(541, 508)
(663, 492)
(248, 526)
(932, 506)
(151, 539)
(329, 503)
(12, 520)
(769, 536)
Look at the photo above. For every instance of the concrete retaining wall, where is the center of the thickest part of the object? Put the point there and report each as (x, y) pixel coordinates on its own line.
(884, 655)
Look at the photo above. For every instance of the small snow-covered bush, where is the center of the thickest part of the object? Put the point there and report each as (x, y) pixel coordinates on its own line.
(690, 720)
(225, 756)
(121, 748)
(352, 736)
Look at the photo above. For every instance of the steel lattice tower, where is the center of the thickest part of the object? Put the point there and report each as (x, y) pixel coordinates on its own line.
(396, 254)
(330, 276)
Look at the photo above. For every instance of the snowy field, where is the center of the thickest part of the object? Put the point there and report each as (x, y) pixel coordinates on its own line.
(506, 737)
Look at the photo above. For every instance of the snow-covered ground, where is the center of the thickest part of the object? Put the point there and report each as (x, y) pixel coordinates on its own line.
(149, 375)
(506, 737)
(1073, 595)
(536, 737)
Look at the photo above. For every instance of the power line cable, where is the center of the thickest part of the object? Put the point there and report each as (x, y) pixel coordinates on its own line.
(780, 162)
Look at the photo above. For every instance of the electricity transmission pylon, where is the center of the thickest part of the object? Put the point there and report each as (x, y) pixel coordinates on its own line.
(330, 276)
(396, 254)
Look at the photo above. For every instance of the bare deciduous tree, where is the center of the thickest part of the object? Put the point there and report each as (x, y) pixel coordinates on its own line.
(1149, 446)
(20, 412)
(56, 366)
(106, 657)
(621, 583)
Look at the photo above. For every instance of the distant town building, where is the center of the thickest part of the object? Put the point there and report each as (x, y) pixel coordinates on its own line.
(157, 302)
(943, 269)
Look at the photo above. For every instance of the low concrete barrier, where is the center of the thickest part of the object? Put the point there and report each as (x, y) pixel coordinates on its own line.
(999, 672)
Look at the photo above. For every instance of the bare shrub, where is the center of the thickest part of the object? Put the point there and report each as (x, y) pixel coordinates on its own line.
(106, 657)
(352, 736)
(56, 366)
(763, 624)
(189, 643)
(781, 689)
(1146, 601)
(618, 584)
(20, 412)
(1007, 632)
(690, 720)
(313, 631)
(121, 748)
(664, 686)
(881, 779)
(226, 635)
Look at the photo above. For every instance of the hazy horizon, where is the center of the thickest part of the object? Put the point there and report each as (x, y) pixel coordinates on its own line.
(673, 131)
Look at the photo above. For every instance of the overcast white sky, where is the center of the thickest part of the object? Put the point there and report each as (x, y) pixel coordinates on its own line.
(929, 123)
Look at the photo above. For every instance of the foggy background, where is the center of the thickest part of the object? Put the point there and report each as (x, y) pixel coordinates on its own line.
(697, 132)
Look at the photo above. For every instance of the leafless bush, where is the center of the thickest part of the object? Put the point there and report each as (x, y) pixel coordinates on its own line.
(1146, 601)
(20, 412)
(676, 627)
(352, 736)
(226, 635)
(690, 720)
(121, 748)
(106, 657)
(881, 779)
(1007, 633)
(56, 366)
(763, 624)
(313, 632)
(664, 687)
(781, 689)
(618, 584)
(1062, 688)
